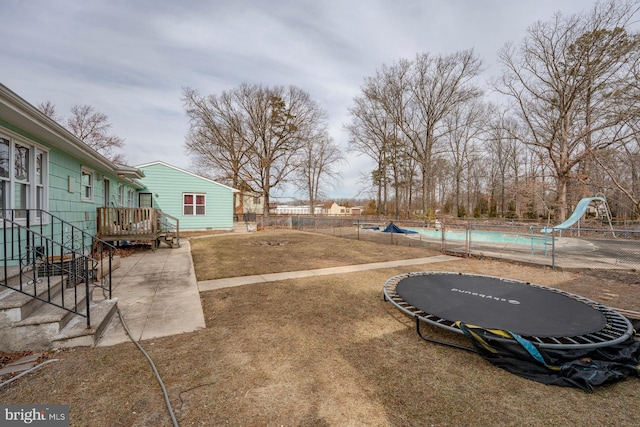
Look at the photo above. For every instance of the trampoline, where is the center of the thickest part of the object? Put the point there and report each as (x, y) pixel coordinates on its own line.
(548, 318)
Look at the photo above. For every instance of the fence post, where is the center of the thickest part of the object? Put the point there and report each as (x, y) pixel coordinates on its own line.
(531, 237)
(468, 239)
(553, 248)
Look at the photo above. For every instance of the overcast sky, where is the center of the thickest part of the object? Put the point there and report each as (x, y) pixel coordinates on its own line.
(130, 59)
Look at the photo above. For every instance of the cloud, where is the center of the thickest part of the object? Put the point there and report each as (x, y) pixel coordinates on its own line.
(131, 59)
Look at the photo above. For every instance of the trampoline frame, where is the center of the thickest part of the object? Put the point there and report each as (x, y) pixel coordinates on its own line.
(617, 328)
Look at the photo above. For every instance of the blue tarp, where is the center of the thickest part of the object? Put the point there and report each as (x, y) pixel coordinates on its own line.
(392, 228)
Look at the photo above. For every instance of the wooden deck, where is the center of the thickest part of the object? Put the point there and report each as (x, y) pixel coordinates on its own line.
(137, 224)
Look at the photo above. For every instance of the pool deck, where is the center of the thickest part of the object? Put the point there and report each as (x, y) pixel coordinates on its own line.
(571, 253)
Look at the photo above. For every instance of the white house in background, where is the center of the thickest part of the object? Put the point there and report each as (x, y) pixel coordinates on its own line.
(334, 209)
(296, 210)
(328, 209)
(249, 202)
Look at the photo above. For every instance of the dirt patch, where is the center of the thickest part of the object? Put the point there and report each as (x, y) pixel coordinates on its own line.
(270, 243)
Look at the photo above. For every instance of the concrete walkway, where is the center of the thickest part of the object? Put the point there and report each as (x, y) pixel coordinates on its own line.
(159, 296)
(208, 285)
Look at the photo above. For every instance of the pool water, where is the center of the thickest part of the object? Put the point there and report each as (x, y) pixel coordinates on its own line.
(484, 236)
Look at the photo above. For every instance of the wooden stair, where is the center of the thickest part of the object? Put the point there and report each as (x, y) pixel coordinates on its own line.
(169, 238)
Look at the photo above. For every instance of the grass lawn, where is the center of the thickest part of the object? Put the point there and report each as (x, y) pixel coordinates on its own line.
(321, 351)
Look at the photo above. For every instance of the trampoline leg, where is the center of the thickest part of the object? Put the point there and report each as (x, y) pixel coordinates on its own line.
(448, 344)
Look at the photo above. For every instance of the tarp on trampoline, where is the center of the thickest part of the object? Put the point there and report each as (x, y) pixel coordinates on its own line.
(586, 368)
(392, 228)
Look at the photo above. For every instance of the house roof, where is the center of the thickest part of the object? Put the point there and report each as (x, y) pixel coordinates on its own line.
(158, 162)
(129, 172)
(17, 112)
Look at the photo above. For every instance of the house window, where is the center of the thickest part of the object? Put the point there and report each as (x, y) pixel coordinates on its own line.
(193, 204)
(22, 183)
(87, 185)
(4, 158)
(130, 198)
(23, 178)
(106, 192)
(120, 195)
(41, 190)
(256, 200)
(145, 200)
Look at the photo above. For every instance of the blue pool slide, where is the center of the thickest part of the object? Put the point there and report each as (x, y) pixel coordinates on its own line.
(580, 210)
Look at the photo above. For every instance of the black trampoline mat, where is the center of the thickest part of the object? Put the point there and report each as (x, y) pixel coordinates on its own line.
(493, 303)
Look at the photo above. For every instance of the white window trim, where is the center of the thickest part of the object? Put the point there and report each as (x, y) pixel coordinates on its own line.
(194, 205)
(92, 184)
(11, 180)
(120, 196)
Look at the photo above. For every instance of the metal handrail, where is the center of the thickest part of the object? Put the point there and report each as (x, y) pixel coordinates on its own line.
(50, 251)
(94, 245)
(167, 226)
(37, 255)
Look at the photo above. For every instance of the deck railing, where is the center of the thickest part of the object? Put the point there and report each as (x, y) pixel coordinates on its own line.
(127, 224)
(170, 226)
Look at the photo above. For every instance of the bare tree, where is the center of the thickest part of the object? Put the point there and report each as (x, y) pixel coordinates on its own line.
(370, 132)
(253, 133)
(407, 103)
(215, 135)
(622, 166)
(89, 126)
(320, 158)
(463, 126)
(373, 134)
(48, 108)
(416, 96)
(439, 86)
(565, 82)
(503, 148)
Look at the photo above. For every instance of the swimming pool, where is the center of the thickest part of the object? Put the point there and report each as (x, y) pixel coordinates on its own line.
(485, 236)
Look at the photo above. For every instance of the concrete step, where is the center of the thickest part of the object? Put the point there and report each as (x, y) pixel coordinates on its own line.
(76, 333)
(72, 298)
(17, 306)
(37, 331)
(14, 277)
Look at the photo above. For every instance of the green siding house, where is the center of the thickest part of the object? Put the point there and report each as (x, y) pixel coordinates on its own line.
(45, 171)
(63, 207)
(199, 203)
(56, 195)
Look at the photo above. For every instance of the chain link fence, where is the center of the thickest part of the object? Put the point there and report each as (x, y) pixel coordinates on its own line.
(593, 245)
